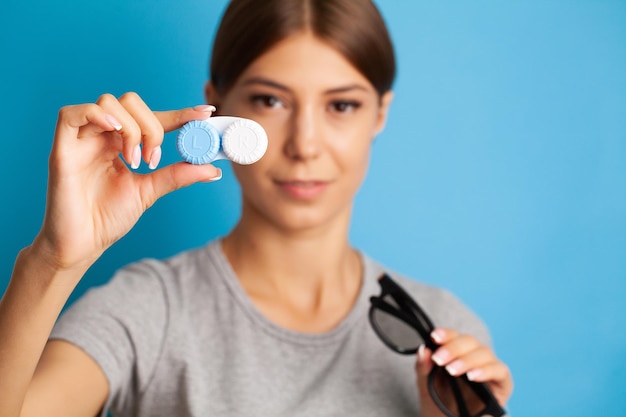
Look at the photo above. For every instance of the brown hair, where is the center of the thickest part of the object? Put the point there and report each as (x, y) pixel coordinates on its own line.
(355, 28)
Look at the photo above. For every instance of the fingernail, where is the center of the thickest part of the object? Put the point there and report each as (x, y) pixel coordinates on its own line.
(206, 108)
(474, 374)
(113, 122)
(136, 157)
(454, 368)
(438, 335)
(441, 357)
(155, 158)
(218, 177)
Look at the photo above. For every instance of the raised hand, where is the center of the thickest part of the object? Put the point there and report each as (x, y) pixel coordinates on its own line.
(93, 197)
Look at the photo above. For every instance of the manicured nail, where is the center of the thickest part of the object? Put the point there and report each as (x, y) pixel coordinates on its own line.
(113, 122)
(136, 157)
(441, 357)
(474, 374)
(155, 158)
(218, 177)
(454, 368)
(438, 335)
(206, 108)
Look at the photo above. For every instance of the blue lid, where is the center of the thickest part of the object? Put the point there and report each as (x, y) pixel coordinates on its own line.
(198, 142)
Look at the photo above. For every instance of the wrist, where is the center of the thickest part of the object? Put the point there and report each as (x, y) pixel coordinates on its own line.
(37, 264)
(48, 256)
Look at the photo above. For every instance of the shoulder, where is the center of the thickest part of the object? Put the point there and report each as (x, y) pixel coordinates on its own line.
(177, 270)
(149, 286)
(125, 323)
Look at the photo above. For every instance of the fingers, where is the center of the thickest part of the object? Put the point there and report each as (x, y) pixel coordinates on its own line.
(132, 117)
(72, 118)
(150, 134)
(463, 354)
(142, 129)
(458, 353)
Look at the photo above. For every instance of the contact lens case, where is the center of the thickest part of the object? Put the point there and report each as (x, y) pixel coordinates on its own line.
(240, 140)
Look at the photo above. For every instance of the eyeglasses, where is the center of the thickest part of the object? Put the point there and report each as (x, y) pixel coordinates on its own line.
(403, 326)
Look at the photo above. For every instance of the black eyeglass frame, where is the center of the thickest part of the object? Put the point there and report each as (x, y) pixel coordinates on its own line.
(412, 314)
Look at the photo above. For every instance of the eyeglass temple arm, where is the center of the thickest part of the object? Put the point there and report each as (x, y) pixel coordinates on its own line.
(492, 407)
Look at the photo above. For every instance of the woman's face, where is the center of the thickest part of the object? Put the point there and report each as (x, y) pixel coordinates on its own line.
(321, 116)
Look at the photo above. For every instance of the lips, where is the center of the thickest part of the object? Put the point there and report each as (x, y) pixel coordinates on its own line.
(302, 189)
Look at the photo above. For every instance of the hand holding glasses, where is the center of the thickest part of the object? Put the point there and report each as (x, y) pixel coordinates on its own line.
(403, 326)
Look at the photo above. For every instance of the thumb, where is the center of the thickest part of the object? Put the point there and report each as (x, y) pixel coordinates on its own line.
(423, 367)
(424, 361)
(178, 175)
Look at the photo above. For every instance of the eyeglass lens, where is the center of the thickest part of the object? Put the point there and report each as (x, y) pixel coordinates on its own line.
(396, 332)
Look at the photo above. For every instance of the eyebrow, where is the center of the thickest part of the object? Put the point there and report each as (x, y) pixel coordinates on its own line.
(270, 83)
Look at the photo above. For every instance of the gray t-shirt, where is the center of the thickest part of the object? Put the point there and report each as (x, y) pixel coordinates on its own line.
(181, 338)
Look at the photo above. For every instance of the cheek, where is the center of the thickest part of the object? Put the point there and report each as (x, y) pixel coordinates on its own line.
(250, 173)
(250, 180)
(276, 127)
(352, 148)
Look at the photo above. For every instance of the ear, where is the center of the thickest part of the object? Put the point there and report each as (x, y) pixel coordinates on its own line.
(210, 94)
(383, 111)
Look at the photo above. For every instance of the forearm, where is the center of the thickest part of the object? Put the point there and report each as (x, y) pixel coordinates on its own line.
(29, 308)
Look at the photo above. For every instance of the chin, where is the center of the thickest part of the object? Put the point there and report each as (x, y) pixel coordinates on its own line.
(302, 219)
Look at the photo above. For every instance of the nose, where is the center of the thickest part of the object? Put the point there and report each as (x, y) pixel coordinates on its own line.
(304, 141)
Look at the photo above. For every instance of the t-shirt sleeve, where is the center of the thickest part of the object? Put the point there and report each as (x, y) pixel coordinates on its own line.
(121, 325)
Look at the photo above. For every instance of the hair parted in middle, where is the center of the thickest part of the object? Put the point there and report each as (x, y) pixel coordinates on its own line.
(355, 28)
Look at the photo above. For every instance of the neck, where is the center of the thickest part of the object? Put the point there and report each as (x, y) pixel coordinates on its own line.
(311, 270)
(294, 256)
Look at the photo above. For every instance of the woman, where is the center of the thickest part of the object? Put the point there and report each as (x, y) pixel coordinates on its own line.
(269, 320)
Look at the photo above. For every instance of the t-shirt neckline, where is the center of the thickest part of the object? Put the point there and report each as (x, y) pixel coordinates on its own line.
(358, 312)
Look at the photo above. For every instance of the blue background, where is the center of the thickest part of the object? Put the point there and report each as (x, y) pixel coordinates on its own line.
(501, 174)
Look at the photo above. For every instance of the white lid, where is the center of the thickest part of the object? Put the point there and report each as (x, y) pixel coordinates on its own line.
(244, 141)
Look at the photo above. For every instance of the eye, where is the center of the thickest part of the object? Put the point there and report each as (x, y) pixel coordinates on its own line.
(266, 101)
(344, 106)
